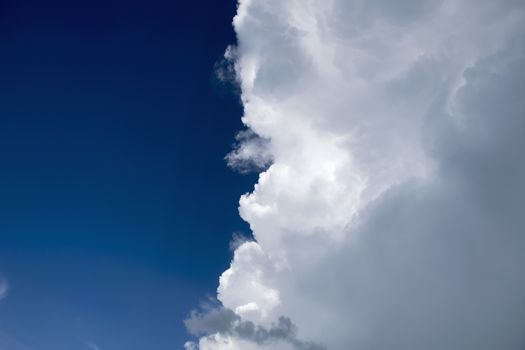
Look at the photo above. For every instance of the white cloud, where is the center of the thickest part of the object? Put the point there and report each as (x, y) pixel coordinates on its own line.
(392, 216)
(251, 153)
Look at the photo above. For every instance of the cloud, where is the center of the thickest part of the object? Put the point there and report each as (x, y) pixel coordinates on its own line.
(220, 323)
(213, 320)
(4, 287)
(93, 346)
(391, 215)
(250, 154)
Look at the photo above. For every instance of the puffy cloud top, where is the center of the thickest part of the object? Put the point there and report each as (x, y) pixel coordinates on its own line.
(392, 215)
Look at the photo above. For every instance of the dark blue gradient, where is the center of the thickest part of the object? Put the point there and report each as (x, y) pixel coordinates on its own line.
(116, 206)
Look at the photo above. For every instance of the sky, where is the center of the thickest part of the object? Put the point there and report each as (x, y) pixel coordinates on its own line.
(267, 174)
(116, 204)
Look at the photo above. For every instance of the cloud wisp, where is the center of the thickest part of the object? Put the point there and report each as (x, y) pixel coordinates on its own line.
(92, 346)
(389, 214)
(4, 287)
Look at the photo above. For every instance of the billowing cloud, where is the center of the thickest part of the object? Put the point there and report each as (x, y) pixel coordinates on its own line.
(392, 215)
(250, 153)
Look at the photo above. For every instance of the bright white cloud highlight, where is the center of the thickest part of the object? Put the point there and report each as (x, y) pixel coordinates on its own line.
(392, 216)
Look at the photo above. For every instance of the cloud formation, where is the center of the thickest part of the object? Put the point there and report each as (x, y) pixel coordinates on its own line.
(225, 322)
(250, 153)
(392, 214)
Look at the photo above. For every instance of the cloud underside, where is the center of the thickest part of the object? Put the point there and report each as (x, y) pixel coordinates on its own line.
(219, 322)
(392, 215)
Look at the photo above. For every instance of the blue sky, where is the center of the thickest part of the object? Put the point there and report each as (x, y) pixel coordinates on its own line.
(116, 206)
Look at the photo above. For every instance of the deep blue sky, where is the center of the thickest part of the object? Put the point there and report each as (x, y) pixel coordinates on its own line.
(116, 206)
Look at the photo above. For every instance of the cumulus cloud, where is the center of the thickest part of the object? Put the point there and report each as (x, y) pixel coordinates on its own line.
(251, 153)
(392, 214)
(223, 324)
